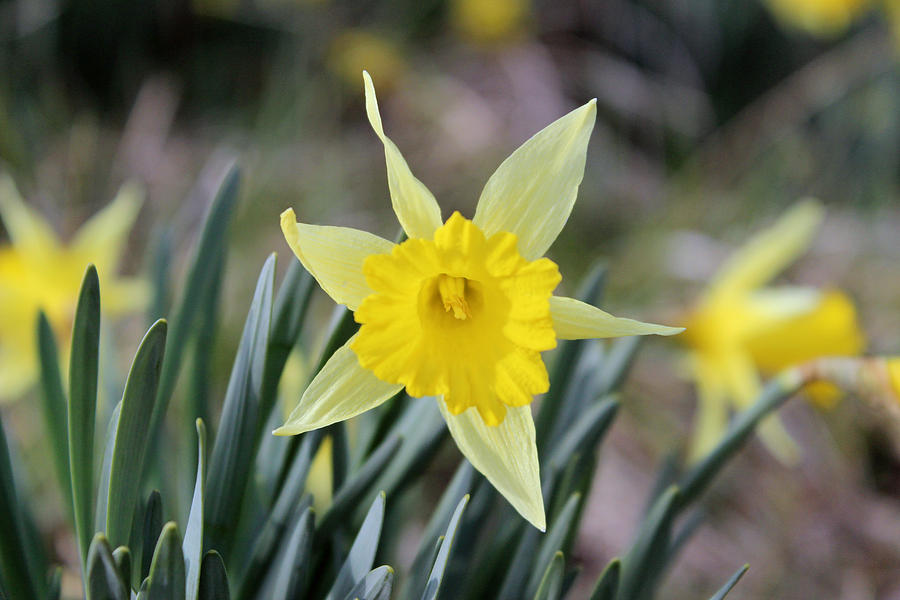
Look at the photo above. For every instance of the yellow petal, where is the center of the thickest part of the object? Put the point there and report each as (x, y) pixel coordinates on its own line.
(102, 237)
(575, 320)
(744, 386)
(769, 251)
(334, 256)
(826, 326)
(711, 416)
(26, 229)
(416, 209)
(341, 390)
(505, 454)
(532, 193)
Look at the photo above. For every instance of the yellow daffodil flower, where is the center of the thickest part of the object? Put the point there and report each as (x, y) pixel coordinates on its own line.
(354, 48)
(824, 18)
(461, 310)
(738, 330)
(37, 271)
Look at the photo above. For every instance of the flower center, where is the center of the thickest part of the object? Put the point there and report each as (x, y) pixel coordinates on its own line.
(453, 295)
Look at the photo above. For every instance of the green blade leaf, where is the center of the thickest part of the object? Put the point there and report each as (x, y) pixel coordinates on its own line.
(723, 591)
(15, 573)
(294, 560)
(291, 305)
(776, 392)
(104, 581)
(122, 557)
(213, 579)
(462, 484)
(106, 465)
(550, 586)
(552, 544)
(443, 555)
(167, 579)
(362, 552)
(193, 533)
(586, 435)
(54, 585)
(220, 180)
(233, 451)
(644, 563)
(55, 410)
(83, 407)
(132, 435)
(357, 485)
(375, 585)
(277, 520)
(607, 587)
(151, 530)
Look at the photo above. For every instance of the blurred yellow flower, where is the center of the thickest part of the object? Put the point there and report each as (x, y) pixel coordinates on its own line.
(738, 330)
(490, 21)
(462, 309)
(355, 49)
(819, 17)
(37, 271)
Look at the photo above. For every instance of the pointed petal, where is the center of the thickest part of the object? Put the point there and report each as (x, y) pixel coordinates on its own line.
(341, 390)
(711, 415)
(334, 256)
(416, 209)
(101, 239)
(26, 228)
(532, 193)
(769, 252)
(506, 454)
(575, 320)
(744, 386)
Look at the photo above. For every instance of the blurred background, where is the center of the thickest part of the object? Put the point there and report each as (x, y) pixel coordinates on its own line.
(714, 117)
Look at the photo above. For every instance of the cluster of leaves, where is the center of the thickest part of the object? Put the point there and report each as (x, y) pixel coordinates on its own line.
(251, 530)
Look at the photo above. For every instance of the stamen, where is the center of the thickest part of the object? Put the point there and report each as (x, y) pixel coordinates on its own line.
(453, 295)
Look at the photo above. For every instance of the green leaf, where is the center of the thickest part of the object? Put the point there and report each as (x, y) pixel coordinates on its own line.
(213, 579)
(607, 587)
(55, 410)
(106, 465)
(17, 577)
(151, 530)
(585, 435)
(723, 591)
(276, 521)
(550, 586)
(167, 579)
(350, 494)
(618, 363)
(552, 544)
(293, 565)
(131, 435)
(462, 484)
(122, 558)
(375, 585)
(443, 555)
(644, 563)
(342, 328)
(83, 407)
(220, 178)
(54, 585)
(742, 426)
(193, 533)
(567, 357)
(104, 581)
(233, 451)
(291, 305)
(362, 552)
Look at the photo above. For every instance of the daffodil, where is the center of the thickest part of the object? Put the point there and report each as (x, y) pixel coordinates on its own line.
(461, 310)
(493, 22)
(740, 330)
(823, 18)
(39, 272)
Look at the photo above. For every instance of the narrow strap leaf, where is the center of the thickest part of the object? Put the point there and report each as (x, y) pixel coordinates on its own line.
(103, 581)
(362, 553)
(551, 582)
(193, 533)
(213, 579)
(607, 587)
(150, 531)
(294, 561)
(443, 555)
(54, 404)
(83, 407)
(167, 569)
(723, 591)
